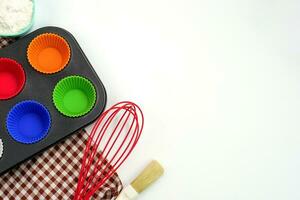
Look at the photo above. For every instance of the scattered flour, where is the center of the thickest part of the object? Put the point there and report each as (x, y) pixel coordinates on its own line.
(15, 15)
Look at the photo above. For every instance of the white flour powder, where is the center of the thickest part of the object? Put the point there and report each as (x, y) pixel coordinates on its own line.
(15, 15)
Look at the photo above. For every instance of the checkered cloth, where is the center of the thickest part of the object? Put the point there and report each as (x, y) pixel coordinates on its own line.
(6, 41)
(53, 174)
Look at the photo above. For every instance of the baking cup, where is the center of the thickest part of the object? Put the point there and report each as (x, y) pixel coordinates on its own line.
(74, 96)
(48, 53)
(12, 78)
(1, 148)
(28, 122)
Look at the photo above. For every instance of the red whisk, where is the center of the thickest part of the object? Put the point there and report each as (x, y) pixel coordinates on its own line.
(112, 139)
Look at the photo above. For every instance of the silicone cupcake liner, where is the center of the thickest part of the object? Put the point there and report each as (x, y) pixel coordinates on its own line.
(28, 122)
(1, 148)
(12, 78)
(74, 96)
(48, 53)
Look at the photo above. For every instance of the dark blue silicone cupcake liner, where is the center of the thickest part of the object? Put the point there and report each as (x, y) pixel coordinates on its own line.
(28, 122)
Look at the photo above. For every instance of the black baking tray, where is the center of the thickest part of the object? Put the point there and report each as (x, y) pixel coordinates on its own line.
(39, 87)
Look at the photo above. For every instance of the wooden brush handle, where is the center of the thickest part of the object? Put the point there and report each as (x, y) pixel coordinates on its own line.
(149, 175)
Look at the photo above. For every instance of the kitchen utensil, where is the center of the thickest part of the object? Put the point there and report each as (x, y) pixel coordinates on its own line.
(149, 175)
(39, 87)
(115, 134)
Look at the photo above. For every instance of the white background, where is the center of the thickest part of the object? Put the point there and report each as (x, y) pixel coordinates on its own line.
(218, 82)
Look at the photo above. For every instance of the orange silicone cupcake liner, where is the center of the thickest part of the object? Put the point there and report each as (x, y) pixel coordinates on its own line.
(48, 53)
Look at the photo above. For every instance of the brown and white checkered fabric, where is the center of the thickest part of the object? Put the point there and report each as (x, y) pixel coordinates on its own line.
(6, 41)
(53, 174)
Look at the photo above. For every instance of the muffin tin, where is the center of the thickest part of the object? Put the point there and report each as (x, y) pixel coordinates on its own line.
(48, 91)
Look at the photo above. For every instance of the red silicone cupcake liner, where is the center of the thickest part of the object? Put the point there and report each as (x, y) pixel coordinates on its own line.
(12, 78)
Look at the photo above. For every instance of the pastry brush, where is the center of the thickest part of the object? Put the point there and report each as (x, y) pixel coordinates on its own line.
(149, 175)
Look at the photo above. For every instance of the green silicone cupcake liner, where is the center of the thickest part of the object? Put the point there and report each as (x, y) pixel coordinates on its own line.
(74, 96)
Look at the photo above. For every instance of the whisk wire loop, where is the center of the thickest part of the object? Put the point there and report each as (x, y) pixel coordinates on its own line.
(113, 138)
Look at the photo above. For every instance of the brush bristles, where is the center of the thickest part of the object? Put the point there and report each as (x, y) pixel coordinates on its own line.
(149, 175)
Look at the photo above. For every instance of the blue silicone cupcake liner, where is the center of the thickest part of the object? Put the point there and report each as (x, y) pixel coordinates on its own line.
(28, 122)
